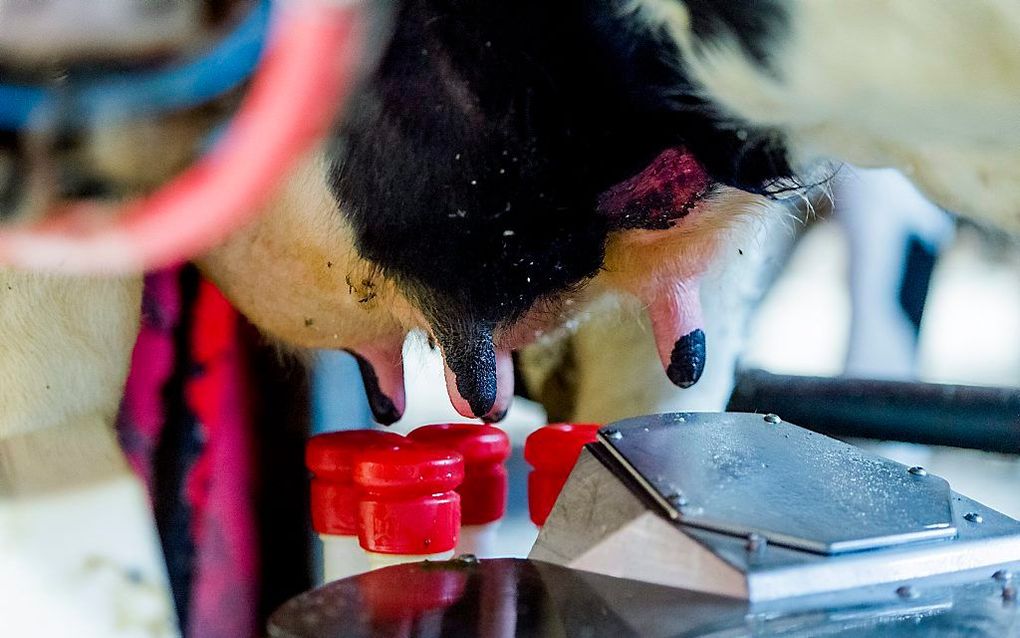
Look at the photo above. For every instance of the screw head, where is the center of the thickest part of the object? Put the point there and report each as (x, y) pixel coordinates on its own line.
(974, 517)
(467, 559)
(917, 470)
(756, 542)
(677, 499)
(613, 434)
(906, 592)
(1003, 575)
(772, 419)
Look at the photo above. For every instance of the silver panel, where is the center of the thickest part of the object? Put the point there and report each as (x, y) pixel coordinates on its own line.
(747, 474)
(776, 573)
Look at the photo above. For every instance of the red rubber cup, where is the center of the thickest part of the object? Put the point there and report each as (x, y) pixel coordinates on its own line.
(485, 448)
(483, 495)
(543, 490)
(478, 444)
(555, 447)
(553, 452)
(424, 525)
(331, 457)
(407, 503)
(334, 508)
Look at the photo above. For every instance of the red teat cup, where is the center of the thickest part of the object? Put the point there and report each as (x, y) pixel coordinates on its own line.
(408, 509)
(334, 497)
(330, 458)
(552, 451)
(485, 449)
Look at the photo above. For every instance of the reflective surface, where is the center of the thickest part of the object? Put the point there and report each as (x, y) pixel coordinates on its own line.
(612, 517)
(744, 474)
(511, 597)
(497, 598)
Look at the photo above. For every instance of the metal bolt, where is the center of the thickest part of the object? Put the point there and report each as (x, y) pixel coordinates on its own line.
(906, 591)
(772, 419)
(1003, 575)
(613, 434)
(467, 559)
(1009, 593)
(756, 542)
(917, 470)
(974, 517)
(676, 499)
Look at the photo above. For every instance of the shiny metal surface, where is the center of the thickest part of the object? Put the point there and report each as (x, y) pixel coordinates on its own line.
(511, 597)
(776, 573)
(610, 520)
(744, 474)
(498, 599)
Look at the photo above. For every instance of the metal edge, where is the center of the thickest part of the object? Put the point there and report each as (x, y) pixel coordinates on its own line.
(636, 477)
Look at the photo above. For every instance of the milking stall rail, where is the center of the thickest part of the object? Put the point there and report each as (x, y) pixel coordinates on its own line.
(977, 417)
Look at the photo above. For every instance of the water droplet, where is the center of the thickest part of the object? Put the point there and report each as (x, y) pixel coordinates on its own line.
(677, 499)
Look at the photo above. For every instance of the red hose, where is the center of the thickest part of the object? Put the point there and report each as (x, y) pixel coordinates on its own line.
(308, 68)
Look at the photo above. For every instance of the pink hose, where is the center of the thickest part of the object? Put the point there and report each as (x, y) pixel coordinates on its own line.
(307, 70)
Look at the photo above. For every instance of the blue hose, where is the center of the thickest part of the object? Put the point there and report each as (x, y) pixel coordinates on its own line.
(86, 100)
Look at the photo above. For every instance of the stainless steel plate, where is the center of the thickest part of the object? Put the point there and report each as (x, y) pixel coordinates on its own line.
(752, 476)
(505, 598)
